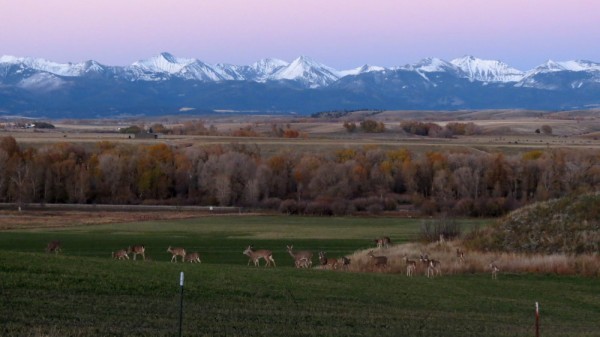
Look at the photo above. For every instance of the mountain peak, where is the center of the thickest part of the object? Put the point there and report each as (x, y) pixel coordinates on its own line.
(432, 64)
(477, 69)
(163, 62)
(308, 71)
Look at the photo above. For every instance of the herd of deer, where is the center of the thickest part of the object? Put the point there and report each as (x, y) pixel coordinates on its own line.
(302, 259)
(135, 250)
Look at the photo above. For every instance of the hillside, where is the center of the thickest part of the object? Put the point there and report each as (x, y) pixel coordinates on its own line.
(568, 225)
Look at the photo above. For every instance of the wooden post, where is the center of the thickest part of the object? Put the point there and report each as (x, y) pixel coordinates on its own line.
(537, 320)
(181, 304)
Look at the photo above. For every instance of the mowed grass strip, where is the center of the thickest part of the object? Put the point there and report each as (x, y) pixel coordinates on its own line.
(82, 292)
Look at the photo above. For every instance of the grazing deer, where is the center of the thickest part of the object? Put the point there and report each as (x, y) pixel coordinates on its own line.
(137, 249)
(53, 247)
(495, 270)
(192, 257)
(460, 254)
(434, 268)
(256, 255)
(120, 255)
(299, 255)
(176, 251)
(411, 266)
(383, 242)
(378, 261)
(327, 263)
(302, 263)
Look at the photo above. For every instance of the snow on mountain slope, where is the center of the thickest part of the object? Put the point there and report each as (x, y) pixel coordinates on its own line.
(43, 81)
(164, 62)
(360, 70)
(487, 70)
(432, 65)
(61, 69)
(310, 73)
(307, 70)
(573, 65)
(261, 70)
(201, 71)
(553, 75)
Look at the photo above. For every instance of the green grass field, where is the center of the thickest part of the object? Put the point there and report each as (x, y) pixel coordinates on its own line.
(82, 292)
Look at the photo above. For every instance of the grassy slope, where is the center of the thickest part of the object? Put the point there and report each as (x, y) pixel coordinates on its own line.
(83, 293)
(567, 225)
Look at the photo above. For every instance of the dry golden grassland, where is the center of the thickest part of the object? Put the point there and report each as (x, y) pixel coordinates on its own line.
(475, 261)
(501, 131)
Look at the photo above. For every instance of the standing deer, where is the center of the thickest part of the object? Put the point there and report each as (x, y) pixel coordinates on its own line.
(256, 255)
(460, 254)
(345, 262)
(120, 255)
(326, 262)
(53, 247)
(424, 259)
(495, 270)
(434, 268)
(299, 256)
(378, 261)
(192, 257)
(176, 251)
(411, 266)
(383, 242)
(137, 249)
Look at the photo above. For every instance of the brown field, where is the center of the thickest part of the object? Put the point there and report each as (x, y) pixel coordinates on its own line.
(506, 130)
(11, 219)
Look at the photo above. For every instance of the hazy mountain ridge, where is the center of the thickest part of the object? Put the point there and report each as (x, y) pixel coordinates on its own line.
(165, 83)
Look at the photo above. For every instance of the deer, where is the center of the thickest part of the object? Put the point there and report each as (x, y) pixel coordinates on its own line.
(137, 249)
(383, 242)
(299, 255)
(411, 266)
(327, 263)
(120, 255)
(424, 259)
(256, 255)
(434, 268)
(302, 263)
(176, 251)
(345, 262)
(192, 257)
(378, 261)
(460, 254)
(53, 247)
(495, 270)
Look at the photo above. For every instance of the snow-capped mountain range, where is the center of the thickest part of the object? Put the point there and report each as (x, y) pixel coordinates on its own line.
(300, 85)
(303, 69)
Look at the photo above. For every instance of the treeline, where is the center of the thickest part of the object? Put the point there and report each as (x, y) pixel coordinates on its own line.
(333, 183)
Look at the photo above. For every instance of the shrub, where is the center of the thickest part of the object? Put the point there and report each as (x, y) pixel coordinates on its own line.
(432, 229)
(350, 126)
(134, 129)
(288, 206)
(371, 126)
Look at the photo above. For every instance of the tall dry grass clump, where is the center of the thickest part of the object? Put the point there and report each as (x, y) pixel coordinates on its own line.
(475, 261)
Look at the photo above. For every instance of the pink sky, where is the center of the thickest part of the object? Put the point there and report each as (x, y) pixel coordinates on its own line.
(340, 33)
